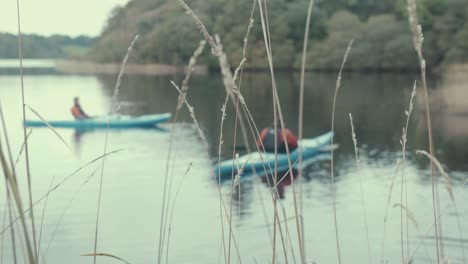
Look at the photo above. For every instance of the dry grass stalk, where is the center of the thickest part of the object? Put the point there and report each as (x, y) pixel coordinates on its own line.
(236, 183)
(3, 225)
(408, 213)
(43, 216)
(105, 255)
(201, 134)
(413, 219)
(277, 115)
(164, 207)
(190, 68)
(410, 216)
(8, 195)
(442, 212)
(301, 121)
(32, 259)
(228, 80)
(202, 27)
(168, 217)
(337, 88)
(50, 127)
(227, 256)
(400, 164)
(397, 167)
(418, 39)
(7, 141)
(275, 166)
(449, 189)
(172, 210)
(115, 108)
(229, 217)
(353, 136)
(22, 213)
(57, 225)
(441, 170)
(20, 152)
(180, 102)
(11, 182)
(403, 141)
(10, 215)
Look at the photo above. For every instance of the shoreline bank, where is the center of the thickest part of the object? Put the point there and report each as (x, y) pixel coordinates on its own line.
(88, 67)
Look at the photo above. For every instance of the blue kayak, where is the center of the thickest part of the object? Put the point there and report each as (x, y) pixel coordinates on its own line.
(146, 121)
(261, 162)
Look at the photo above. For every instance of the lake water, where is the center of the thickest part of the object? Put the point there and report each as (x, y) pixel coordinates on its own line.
(133, 178)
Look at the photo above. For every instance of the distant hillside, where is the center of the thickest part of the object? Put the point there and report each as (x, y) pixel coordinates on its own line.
(35, 46)
(380, 30)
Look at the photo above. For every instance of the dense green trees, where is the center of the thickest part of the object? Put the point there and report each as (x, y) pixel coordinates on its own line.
(35, 46)
(379, 28)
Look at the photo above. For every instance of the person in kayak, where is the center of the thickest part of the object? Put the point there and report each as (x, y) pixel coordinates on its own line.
(267, 138)
(77, 111)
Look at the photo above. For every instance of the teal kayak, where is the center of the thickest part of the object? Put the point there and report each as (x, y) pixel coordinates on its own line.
(145, 121)
(263, 163)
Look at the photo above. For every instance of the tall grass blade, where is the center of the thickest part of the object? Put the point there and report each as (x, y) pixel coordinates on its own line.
(57, 186)
(50, 127)
(228, 79)
(418, 38)
(389, 197)
(301, 122)
(7, 142)
(337, 88)
(65, 211)
(442, 212)
(43, 216)
(172, 209)
(10, 215)
(19, 206)
(356, 150)
(227, 256)
(278, 115)
(181, 99)
(105, 255)
(22, 148)
(28, 171)
(115, 108)
(404, 188)
(449, 189)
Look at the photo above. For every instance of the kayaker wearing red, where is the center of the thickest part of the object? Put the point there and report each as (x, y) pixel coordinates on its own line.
(267, 137)
(77, 111)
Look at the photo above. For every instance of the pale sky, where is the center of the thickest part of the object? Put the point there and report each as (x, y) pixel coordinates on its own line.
(47, 17)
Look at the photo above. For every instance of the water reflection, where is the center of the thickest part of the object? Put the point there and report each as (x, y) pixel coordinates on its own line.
(285, 179)
(377, 102)
(132, 197)
(79, 134)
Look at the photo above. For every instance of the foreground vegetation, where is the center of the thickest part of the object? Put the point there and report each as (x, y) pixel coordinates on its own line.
(232, 84)
(379, 28)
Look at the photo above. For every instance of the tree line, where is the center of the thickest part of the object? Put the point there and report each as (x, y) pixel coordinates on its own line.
(379, 28)
(36, 46)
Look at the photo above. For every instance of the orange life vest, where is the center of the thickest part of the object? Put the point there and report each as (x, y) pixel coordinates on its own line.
(76, 112)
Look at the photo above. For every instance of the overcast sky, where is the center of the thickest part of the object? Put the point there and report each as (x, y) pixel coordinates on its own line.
(47, 17)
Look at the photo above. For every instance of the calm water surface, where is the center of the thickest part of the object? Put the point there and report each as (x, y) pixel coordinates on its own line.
(134, 177)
